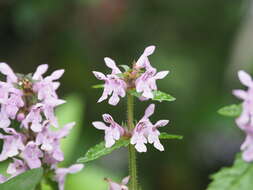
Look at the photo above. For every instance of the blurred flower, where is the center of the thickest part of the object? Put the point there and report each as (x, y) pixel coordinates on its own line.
(16, 167)
(2, 179)
(116, 186)
(12, 144)
(29, 101)
(245, 121)
(145, 132)
(112, 133)
(62, 172)
(32, 154)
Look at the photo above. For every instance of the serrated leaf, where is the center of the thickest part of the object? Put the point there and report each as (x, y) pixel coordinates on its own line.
(164, 135)
(237, 177)
(125, 67)
(233, 110)
(25, 181)
(158, 95)
(161, 96)
(98, 86)
(100, 150)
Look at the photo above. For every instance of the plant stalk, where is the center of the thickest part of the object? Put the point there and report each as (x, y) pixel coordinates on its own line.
(131, 150)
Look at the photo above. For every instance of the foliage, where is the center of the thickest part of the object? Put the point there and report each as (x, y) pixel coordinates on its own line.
(233, 110)
(25, 181)
(239, 176)
(158, 96)
(169, 136)
(100, 150)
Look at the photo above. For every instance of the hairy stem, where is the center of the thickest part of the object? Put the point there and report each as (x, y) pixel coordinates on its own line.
(131, 149)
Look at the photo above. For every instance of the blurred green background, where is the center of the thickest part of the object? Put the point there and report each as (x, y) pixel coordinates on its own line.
(202, 42)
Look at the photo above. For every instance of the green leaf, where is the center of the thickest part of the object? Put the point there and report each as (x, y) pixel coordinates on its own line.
(72, 111)
(161, 96)
(237, 177)
(125, 67)
(25, 181)
(158, 95)
(98, 86)
(164, 135)
(233, 110)
(100, 150)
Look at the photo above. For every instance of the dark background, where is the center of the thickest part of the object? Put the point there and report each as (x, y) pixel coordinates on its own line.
(202, 42)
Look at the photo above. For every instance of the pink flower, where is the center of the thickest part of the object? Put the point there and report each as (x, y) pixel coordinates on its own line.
(10, 97)
(112, 133)
(145, 132)
(114, 85)
(13, 143)
(62, 172)
(32, 154)
(46, 87)
(247, 147)
(4, 121)
(117, 186)
(153, 134)
(17, 167)
(146, 83)
(247, 97)
(49, 142)
(6, 70)
(2, 179)
(30, 100)
(33, 119)
(143, 61)
(245, 120)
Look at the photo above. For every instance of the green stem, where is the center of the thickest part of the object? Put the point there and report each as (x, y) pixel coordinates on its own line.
(131, 150)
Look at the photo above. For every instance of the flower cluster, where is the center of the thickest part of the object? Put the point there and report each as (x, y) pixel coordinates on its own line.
(245, 121)
(27, 113)
(143, 133)
(142, 77)
(146, 132)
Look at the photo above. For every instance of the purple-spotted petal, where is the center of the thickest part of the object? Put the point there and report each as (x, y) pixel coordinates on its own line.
(99, 75)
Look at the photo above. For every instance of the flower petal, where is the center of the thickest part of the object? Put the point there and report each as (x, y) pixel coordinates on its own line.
(6, 70)
(99, 125)
(99, 75)
(240, 94)
(149, 110)
(161, 123)
(125, 180)
(41, 69)
(111, 64)
(161, 74)
(245, 78)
